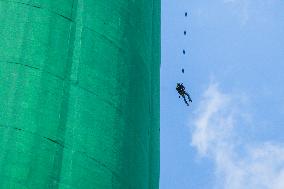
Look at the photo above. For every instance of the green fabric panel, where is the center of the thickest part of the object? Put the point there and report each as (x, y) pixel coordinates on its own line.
(79, 94)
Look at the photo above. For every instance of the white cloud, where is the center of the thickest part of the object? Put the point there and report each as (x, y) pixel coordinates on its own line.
(248, 11)
(215, 136)
(241, 9)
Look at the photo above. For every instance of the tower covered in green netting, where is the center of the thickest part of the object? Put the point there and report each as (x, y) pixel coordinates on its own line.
(79, 94)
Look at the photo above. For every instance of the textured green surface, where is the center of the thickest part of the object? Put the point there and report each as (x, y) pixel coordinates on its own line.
(79, 94)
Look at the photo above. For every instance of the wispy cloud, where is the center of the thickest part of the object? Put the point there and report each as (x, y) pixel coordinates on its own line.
(247, 11)
(239, 164)
(241, 9)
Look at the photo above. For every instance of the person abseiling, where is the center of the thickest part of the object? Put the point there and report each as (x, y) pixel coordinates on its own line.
(181, 91)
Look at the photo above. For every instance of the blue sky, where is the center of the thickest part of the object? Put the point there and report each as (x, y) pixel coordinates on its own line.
(231, 137)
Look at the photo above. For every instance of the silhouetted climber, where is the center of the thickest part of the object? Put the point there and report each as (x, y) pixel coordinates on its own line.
(182, 70)
(181, 91)
(185, 14)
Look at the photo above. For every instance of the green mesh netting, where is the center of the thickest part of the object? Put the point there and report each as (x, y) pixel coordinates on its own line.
(79, 94)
